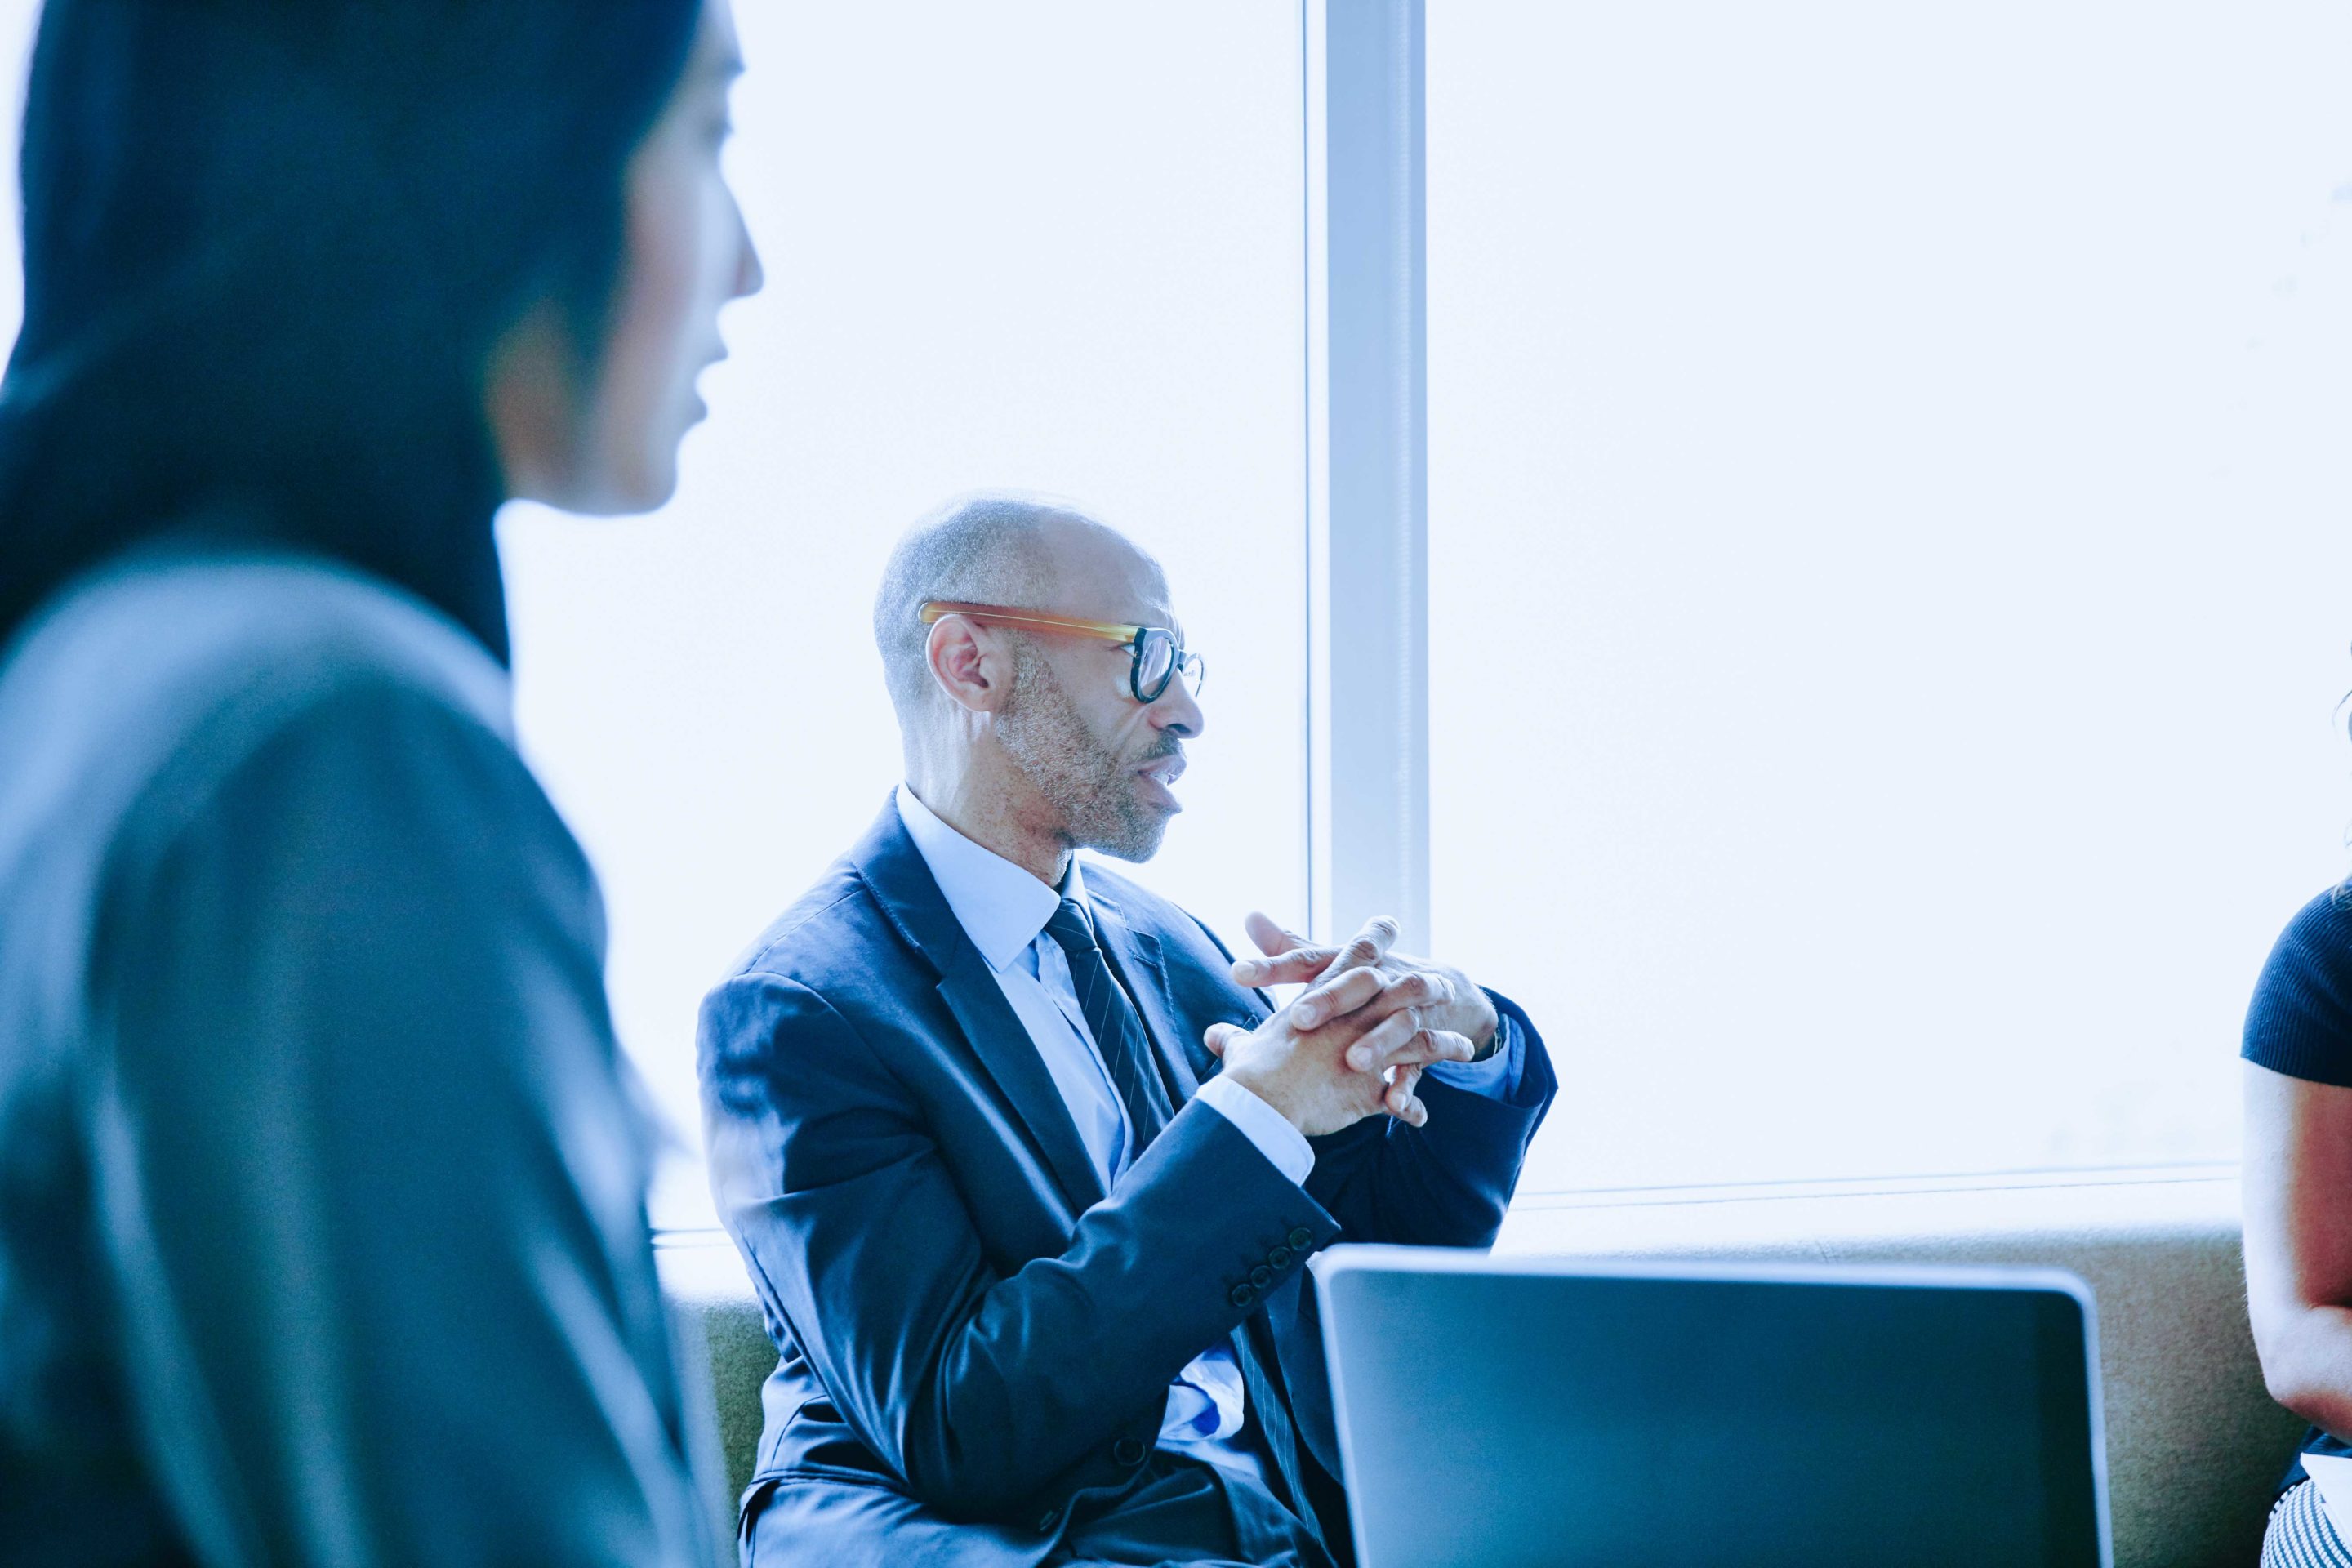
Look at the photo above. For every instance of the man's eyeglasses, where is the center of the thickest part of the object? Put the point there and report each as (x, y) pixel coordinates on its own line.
(1159, 657)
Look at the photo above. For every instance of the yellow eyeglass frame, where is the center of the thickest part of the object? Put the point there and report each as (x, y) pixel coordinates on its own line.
(1136, 639)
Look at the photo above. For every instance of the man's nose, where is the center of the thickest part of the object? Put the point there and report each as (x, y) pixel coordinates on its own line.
(1177, 710)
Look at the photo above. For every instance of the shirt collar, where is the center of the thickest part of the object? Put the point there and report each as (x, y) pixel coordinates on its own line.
(1000, 906)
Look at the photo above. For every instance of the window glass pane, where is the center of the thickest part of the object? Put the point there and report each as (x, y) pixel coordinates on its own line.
(1053, 247)
(16, 22)
(1889, 563)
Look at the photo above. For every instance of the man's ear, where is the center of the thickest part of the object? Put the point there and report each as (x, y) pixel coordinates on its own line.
(972, 665)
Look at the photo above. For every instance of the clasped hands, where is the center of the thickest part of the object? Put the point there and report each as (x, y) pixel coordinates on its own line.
(1354, 1043)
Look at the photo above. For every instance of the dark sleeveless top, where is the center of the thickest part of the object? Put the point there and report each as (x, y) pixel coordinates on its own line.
(2300, 1024)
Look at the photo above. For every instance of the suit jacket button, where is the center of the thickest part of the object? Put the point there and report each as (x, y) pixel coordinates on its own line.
(1128, 1451)
(1241, 1294)
(1301, 1239)
(1261, 1276)
(1280, 1257)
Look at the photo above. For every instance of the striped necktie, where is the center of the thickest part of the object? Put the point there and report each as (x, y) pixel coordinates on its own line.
(1110, 1018)
(1127, 1053)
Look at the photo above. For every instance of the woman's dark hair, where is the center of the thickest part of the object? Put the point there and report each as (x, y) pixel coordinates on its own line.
(270, 246)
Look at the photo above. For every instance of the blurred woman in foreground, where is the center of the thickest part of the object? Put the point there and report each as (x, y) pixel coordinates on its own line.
(323, 1235)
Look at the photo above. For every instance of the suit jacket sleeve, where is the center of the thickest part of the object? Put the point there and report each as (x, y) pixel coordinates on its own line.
(980, 1381)
(1447, 1183)
(370, 1185)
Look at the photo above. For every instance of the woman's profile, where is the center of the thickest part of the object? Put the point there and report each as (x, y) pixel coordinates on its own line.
(323, 1235)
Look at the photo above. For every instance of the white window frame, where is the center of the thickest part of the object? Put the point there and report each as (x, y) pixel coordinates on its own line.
(1367, 613)
(1367, 466)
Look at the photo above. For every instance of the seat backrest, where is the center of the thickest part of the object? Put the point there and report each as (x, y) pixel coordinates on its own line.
(2195, 1445)
(703, 1277)
(2194, 1442)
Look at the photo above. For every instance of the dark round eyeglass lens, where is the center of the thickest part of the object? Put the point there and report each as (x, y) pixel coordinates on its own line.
(1155, 661)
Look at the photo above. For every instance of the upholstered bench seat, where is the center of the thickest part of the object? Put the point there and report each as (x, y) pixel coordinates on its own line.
(2194, 1445)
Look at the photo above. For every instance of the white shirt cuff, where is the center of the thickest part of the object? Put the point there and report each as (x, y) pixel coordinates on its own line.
(1263, 1125)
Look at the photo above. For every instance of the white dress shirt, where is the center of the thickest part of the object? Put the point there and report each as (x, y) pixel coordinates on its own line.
(1003, 909)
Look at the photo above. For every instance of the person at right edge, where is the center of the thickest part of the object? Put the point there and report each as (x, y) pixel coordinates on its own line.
(322, 1182)
(2298, 1175)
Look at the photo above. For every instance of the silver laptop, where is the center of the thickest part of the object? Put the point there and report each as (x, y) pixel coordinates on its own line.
(1591, 1414)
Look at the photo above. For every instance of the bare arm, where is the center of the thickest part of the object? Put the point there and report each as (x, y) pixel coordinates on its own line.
(2297, 1178)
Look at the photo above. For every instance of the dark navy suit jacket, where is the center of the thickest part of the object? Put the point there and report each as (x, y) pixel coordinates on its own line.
(971, 1333)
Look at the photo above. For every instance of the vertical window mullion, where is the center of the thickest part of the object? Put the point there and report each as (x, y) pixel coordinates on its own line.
(1368, 466)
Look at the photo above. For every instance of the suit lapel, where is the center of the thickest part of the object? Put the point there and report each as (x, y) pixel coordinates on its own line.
(909, 897)
(1135, 956)
(1011, 1056)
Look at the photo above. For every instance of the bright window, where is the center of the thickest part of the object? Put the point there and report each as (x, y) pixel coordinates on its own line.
(1890, 563)
(1053, 247)
(1890, 560)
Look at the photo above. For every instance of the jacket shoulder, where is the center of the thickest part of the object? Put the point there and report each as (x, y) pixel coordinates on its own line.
(190, 664)
(829, 940)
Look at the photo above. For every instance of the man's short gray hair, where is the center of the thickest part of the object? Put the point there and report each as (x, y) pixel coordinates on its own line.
(983, 550)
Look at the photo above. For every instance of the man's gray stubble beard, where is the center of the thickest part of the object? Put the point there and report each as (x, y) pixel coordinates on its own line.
(1043, 732)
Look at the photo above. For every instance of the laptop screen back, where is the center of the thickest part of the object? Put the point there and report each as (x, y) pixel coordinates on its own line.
(1559, 1414)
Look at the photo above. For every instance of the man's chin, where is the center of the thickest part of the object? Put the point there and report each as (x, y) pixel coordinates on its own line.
(1136, 841)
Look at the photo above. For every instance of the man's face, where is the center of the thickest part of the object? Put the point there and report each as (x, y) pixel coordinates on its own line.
(1102, 762)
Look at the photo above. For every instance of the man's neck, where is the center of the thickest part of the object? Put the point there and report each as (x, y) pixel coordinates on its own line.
(991, 816)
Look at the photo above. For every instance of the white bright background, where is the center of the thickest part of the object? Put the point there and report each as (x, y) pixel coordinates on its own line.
(1890, 566)
(1053, 247)
(1898, 454)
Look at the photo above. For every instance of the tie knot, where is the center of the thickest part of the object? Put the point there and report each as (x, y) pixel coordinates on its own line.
(1070, 927)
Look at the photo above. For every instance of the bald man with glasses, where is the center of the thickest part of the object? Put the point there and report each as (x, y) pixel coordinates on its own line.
(1025, 1166)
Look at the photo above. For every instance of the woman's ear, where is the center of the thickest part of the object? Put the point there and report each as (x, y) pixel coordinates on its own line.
(530, 402)
(972, 665)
